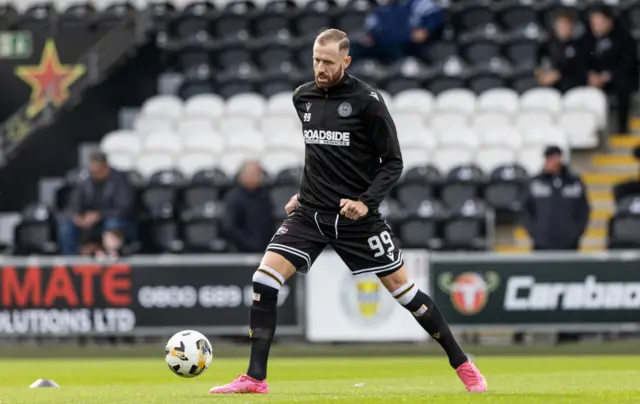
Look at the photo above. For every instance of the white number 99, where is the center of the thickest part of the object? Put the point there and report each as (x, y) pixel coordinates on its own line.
(377, 243)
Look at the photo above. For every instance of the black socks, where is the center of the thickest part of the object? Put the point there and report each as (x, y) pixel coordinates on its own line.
(428, 315)
(262, 321)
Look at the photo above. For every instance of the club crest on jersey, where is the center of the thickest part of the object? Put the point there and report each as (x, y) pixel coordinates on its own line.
(282, 230)
(344, 110)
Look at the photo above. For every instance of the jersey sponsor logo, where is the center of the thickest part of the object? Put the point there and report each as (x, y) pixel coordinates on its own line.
(469, 292)
(362, 298)
(344, 109)
(327, 137)
(525, 294)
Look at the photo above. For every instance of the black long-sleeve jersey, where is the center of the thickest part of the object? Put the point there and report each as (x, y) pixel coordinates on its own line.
(352, 150)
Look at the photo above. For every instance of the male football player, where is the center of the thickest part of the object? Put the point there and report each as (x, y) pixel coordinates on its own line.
(352, 161)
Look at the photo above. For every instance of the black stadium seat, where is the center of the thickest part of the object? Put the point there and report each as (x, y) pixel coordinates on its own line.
(423, 226)
(273, 55)
(504, 189)
(462, 183)
(234, 22)
(161, 232)
(513, 15)
(480, 81)
(480, 50)
(163, 187)
(205, 186)
(35, 233)
(352, 16)
(275, 20)
(202, 229)
(471, 16)
(466, 228)
(315, 17)
(195, 20)
(416, 185)
(624, 231)
(629, 204)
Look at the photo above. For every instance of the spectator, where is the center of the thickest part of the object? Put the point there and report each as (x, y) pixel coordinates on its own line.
(249, 222)
(399, 28)
(555, 211)
(614, 61)
(563, 60)
(101, 206)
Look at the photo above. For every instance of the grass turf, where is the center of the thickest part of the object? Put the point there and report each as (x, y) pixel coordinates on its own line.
(512, 380)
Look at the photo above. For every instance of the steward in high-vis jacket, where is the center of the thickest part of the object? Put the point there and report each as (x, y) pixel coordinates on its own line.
(555, 210)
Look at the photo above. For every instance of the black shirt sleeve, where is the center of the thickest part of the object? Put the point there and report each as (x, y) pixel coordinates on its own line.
(385, 140)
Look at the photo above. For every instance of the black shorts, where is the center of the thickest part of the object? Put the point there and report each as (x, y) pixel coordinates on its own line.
(366, 245)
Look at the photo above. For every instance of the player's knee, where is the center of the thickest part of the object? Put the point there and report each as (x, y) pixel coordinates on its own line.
(266, 285)
(413, 299)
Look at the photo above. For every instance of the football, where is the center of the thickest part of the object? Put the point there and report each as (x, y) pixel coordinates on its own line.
(188, 353)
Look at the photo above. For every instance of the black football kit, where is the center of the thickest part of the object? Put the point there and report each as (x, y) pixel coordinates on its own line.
(351, 152)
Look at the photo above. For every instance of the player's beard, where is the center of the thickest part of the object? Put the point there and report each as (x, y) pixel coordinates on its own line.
(329, 79)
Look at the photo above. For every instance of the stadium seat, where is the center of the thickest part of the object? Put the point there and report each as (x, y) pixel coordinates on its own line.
(503, 100)
(408, 121)
(205, 186)
(193, 87)
(231, 161)
(542, 136)
(314, 17)
(461, 184)
(525, 120)
(234, 21)
(417, 101)
(121, 142)
(442, 81)
(629, 204)
(504, 190)
(473, 17)
(192, 162)
(35, 233)
(421, 138)
(590, 99)
(531, 159)
(202, 230)
(249, 140)
(353, 14)
(456, 100)
(281, 104)
(163, 187)
(240, 79)
(516, 16)
(204, 106)
(206, 142)
(488, 158)
(273, 124)
(163, 106)
(274, 55)
(481, 81)
(522, 52)
(443, 121)
(464, 137)
(423, 227)
(246, 105)
(274, 162)
(280, 195)
(480, 51)
(145, 125)
(447, 158)
(542, 99)
(624, 231)
(417, 184)
(161, 232)
(193, 22)
(581, 128)
(504, 136)
(149, 163)
(415, 158)
(466, 229)
(486, 121)
(198, 125)
(234, 125)
(523, 80)
(162, 143)
(232, 55)
(275, 19)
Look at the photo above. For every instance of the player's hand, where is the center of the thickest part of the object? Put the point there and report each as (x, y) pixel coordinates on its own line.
(353, 210)
(291, 205)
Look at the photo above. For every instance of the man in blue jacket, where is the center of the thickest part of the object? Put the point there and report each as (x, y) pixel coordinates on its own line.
(399, 28)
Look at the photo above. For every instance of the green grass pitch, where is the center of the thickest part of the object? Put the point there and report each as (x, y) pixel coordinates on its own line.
(512, 380)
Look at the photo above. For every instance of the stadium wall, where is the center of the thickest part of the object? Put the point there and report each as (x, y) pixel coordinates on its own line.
(157, 296)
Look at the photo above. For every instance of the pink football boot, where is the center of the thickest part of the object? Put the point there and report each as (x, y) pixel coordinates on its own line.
(472, 378)
(242, 385)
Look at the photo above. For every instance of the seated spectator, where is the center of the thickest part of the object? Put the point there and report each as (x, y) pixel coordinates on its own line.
(248, 222)
(555, 210)
(101, 207)
(614, 62)
(399, 28)
(563, 60)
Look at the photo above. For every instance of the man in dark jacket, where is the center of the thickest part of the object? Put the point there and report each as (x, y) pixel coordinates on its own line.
(249, 222)
(555, 210)
(614, 62)
(101, 206)
(563, 60)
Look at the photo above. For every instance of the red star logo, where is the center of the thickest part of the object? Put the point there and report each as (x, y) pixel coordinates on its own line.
(49, 81)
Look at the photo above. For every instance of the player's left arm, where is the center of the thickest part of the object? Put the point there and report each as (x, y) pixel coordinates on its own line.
(385, 141)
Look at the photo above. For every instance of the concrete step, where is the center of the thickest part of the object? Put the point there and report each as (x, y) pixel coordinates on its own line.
(606, 179)
(591, 233)
(624, 142)
(603, 196)
(524, 249)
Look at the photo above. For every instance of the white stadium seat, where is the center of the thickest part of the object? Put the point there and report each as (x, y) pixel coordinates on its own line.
(489, 158)
(145, 125)
(149, 163)
(184, 127)
(581, 128)
(285, 140)
(590, 99)
(443, 120)
(459, 100)
(162, 142)
(191, 163)
(531, 159)
(446, 158)
(206, 142)
(277, 123)
(415, 157)
(247, 140)
(544, 136)
(418, 101)
(163, 106)
(122, 162)
(275, 161)
(121, 142)
(281, 104)
(503, 100)
(483, 121)
(465, 137)
(205, 106)
(541, 99)
(506, 136)
(246, 105)
(231, 161)
(529, 119)
(422, 138)
(405, 121)
(236, 125)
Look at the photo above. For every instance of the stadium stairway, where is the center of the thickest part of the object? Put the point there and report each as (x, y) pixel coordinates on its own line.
(601, 170)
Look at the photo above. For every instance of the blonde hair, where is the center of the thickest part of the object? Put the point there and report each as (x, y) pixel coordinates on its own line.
(334, 36)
